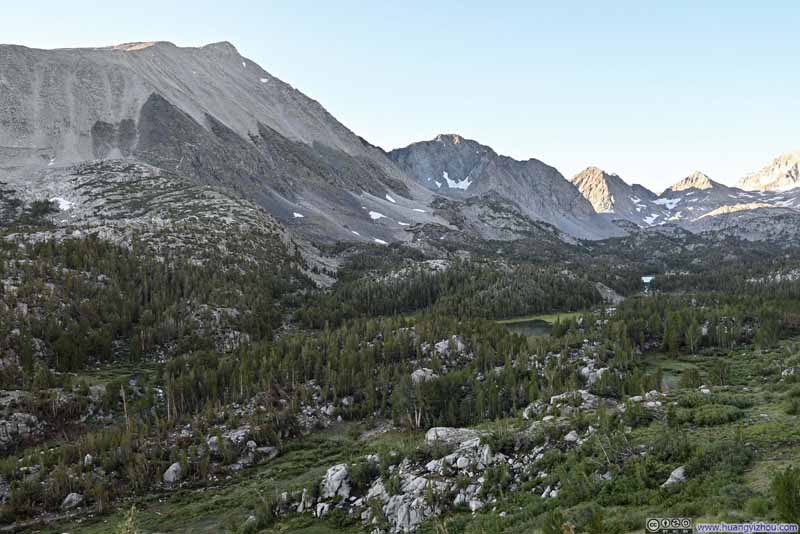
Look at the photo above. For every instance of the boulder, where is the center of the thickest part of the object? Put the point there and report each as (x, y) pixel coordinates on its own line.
(676, 477)
(572, 437)
(322, 509)
(336, 482)
(450, 436)
(306, 502)
(71, 501)
(475, 505)
(423, 375)
(266, 453)
(443, 346)
(173, 473)
(377, 491)
(404, 513)
(18, 427)
(533, 410)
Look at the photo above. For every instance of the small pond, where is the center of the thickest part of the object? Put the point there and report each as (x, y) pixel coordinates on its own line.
(532, 328)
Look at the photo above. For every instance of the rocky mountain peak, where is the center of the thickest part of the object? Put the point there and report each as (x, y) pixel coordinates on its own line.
(459, 168)
(696, 180)
(610, 194)
(780, 174)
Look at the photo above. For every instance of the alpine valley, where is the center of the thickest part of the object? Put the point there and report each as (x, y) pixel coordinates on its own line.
(223, 311)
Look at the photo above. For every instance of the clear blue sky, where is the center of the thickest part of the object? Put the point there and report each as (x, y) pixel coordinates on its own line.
(651, 90)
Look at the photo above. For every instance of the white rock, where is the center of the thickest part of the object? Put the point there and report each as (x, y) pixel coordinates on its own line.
(423, 375)
(173, 473)
(676, 477)
(71, 501)
(462, 462)
(434, 466)
(572, 436)
(336, 482)
(377, 491)
(322, 509)
(450, 436)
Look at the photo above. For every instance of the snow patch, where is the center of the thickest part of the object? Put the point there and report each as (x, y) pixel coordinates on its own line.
(298, 215)
(670, 203)
(374, 215)
(356, 233)
(452, 184)
(651, 219)
(381, 241)
(419, 210)
(438, 183)
(264, 80)
(390, 199)
(403, 223)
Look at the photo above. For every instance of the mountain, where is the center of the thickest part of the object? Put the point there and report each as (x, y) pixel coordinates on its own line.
(695, 203)
(697, 180)
(460, 169)
(610, 194)
(696, 195)
(212, 118)
(781, 174)
(207, 114)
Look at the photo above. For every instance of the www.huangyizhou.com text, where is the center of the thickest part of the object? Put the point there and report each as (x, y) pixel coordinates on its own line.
(745, 528)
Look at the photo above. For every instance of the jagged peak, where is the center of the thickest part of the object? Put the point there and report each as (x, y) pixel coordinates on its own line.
(594, 171)
(696, 180)
(783, 172)
(595, 174)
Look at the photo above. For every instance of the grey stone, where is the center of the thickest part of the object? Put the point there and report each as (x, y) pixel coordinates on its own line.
(71, 501)
(173, 474)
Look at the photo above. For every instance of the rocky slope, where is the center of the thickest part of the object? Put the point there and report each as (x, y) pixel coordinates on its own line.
(207, 114)
(781, 174)
(460, 168)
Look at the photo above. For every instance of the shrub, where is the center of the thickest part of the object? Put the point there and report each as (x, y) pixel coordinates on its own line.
(729, 456)
(785, 490)
(690, 378)
(758, 507)
(716, 414)
(500, 441)
(496, 481)
(361, 475)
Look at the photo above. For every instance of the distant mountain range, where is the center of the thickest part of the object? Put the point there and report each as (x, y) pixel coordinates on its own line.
(215, 118)
(693, 202)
